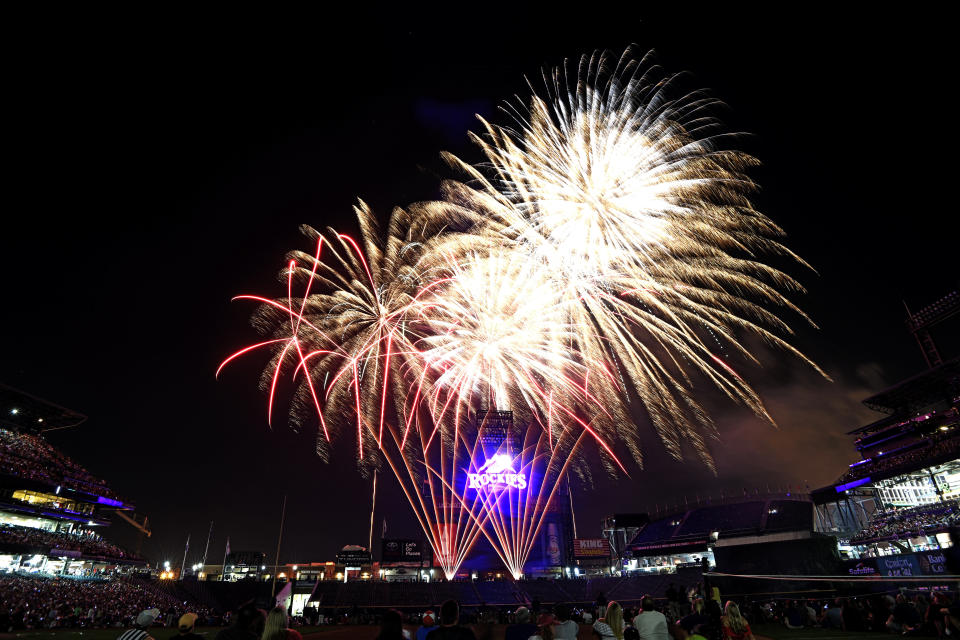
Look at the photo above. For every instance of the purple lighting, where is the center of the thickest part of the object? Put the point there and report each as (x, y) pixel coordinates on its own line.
(497, 472)
(109, 501)
(850, 485)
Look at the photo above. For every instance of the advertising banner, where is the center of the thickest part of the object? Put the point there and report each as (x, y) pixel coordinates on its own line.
(924, 563)
(401, 550)
(591, 548)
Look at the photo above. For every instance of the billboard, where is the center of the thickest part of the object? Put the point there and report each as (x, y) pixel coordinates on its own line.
(354, 557)
(401, 550)
(591, 548)
(924, 563)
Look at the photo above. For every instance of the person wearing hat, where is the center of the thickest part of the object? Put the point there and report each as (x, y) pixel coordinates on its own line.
(187, 622)
(522, 628)
(140, 626)
(544, 627)
(427, 624)
(450, 627)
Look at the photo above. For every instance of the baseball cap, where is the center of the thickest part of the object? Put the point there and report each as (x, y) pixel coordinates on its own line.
(146, 617)
(429, 619)
(187, 621)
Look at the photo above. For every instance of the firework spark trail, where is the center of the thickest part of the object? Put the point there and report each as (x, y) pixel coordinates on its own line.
(606, 240)
(348, 339)
(624, 194)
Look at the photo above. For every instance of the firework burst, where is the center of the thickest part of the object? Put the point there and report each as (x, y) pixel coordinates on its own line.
(623, 193)
(605, 250)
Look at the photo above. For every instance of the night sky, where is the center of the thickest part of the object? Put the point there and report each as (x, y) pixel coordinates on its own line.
(160, 164)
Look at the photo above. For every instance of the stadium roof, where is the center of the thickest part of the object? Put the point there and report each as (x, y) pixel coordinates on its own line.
(20, 411)
(919, 392)
(873, 427)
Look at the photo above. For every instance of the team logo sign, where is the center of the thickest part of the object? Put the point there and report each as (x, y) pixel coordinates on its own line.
(497, 472)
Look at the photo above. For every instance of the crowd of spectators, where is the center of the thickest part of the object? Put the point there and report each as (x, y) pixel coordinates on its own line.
(920, 613)
(689, 613)
(28, 602)
(43, 542)
(921, 520)
(907, 460)
(30, 456)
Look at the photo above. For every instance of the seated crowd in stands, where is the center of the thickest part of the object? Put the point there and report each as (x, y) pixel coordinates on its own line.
(923, 519)
(30, 456)
(28, 602)
(950, 445)
(43, 541)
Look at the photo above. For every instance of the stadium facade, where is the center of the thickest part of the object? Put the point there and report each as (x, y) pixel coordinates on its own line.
(692, 538)
(893, 512)
(52, 510)
(901, 496)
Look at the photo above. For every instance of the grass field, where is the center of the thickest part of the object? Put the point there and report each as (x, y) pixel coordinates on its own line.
(771, 631)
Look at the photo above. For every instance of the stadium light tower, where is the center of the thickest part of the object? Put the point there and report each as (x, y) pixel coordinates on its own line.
(919, 324)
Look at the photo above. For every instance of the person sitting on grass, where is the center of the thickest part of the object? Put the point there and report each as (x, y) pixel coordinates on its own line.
(610, 627)
(522, 629)
(140, 626)
(904, 618)
(427, 624)
(185, 627)
(277, 626)
(450, 628)
(734, 626)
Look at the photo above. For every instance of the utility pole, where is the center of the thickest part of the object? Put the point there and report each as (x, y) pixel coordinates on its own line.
(207, 548)
(276, 557)
(373, 507)
(183, 564)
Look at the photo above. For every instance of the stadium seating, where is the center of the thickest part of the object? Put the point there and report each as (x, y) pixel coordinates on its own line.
(730, 518)
(29, 602)
(496, 592)
(926, 452)
(926, 519)
(656, 530)
(30, 456)
(32, 540)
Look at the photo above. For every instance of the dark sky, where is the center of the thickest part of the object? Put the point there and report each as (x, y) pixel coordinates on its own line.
(159, 164)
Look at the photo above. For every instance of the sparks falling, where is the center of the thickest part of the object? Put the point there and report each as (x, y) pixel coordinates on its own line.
(606, 251)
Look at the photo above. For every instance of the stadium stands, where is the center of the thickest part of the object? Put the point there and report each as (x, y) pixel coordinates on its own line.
(729, 518)
(753, 517)
(28, 602)
(31, 540)
(657, 530)
(925, 453)
(29, 456)
(895, 523)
